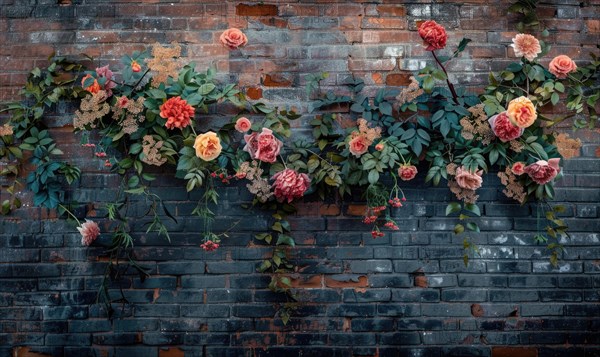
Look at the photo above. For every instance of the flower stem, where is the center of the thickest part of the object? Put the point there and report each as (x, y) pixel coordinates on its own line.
(450, 85)
(70, 213)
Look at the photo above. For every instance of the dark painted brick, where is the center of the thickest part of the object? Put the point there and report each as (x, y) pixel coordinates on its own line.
(416, 295)
(204, 311)
(369, 295)
(400, 338)
(352, 339)
(352, 310)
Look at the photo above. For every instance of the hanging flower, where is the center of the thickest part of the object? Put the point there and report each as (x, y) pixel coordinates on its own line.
(543, 171)
(433, 34)
(503, 128)
(521, 112)
(263, 146)
(290, 184)
(407, 172)
(233, 38)
(243, 125)
(561, 66)
(92, 88)
(467, 179)
(135, 67)
(209, 245)
(177, 112)
(208, 146)
(89, 231)
(526, 46)
(105, 72)
(518, 168)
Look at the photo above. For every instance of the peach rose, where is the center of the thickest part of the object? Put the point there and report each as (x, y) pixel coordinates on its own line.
(518, 168)
(358, 145)
(562, 65)
(243, 125)
(379, 146)
(407, 172)
(208, 146)
(233, 38)
(135, 67)
(503, 128)
(433, 34)
(526, 46)
(467, 179)
(521, 112)
(543, 171)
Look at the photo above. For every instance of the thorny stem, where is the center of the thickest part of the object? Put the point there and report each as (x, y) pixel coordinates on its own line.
(450, 85)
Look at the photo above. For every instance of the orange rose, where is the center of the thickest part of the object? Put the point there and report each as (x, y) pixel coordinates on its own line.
(93, 88)
(208, 146)
(359, 145)
(233, 38)
(135, 67)
(562, 65)
(521, 112)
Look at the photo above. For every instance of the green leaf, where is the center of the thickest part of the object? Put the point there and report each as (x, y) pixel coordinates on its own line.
(473, 208)
(459, 228)
(286, 240)
(373, 176)
(206, 88)
(453, 207)
(473, 227)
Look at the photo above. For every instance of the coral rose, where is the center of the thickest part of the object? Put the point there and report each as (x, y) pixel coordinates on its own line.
(243, 125)
(518, 168)
(358, 145)
(267, 146)
(561, 66)
(122, 102)
(467, 179)
(433, 34)
(290, 184)
(89, 231)
(233, 38)
(92, 88)
(380, 146)
(109, 84)
(526, 46)
(209, 245)
(407, 172)
(135, 67)
(177, 112)
(208, 146)
(521, 112)
(503, 128)
(543, 171)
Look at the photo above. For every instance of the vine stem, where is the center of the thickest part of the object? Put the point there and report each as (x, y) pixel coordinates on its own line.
(450, 85)
(70, 213)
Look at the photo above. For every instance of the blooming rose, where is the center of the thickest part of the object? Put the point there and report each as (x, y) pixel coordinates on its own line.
(290, 184)
(503, 128)
(267, 146)
(467, 179)
(243, 125)
(135, 67)
(358, 145)
(89, 231)
(251, 144)
(433, 34)
(543, 171)
(209, 246)
(407, 172)
(526, 46)
(379, 146)
(208, 146)
(93, 88)
(233, 38)
(521, 112)
(104, 72)
(177, 112)
(562, 65)
(518, 168)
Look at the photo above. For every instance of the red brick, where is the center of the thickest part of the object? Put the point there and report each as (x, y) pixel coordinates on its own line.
(276, 80)
(256, 10)
(170, 352)
(514, 352)
(393, 10)
(254, 93)
(307, 282)
(477, 310)
(329, 210)
(356, 210)
(26, 352)
(363, 282)
(384, 23)
(593, 26)
(398, 79)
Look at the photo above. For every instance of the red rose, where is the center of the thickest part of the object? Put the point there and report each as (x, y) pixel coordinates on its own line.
(290, 184)
(503, 128)
(407, 172)
(543, 171)
(433, 34)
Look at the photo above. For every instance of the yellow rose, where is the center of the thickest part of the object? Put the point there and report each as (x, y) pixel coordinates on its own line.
(208, 146)
(521, 112)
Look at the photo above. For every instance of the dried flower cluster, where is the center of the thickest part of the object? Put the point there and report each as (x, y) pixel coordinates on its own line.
(516, 145)
(258, 185)
(165, 63)
(126, 112)
(6, 130)
(476, 126)
(567, 147)
(409, 93)
(466, 195)
(513, 188)
(92, 108)
(363, 138)
(151, 150)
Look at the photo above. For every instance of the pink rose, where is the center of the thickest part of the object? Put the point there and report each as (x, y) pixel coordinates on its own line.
(543, 171)
(108, 74)
(290, 184)
(233, 38)
(122, 102)
(561, 66)
(503, 128)
(467, 179)
(209, 246)
(433, 34)
(89, 231)
(379, 147)
(358, 145)
(243, 125)
(263, 146)
(518, 168)
(407, 172)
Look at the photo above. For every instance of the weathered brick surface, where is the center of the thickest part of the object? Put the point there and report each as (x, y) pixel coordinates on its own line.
(406, 294)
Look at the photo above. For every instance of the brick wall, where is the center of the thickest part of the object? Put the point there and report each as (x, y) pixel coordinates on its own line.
(404, 294)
